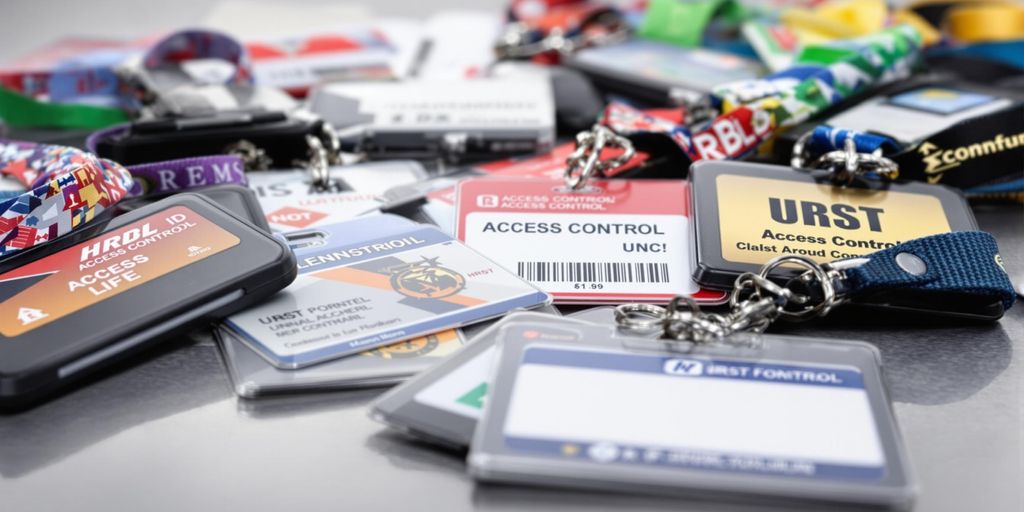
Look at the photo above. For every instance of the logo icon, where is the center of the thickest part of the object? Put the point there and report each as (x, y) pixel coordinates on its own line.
(487, 201)
(294, 217)
(603, 452)
(684, 367)
(195, 250)
(30, 315)
(426, 279)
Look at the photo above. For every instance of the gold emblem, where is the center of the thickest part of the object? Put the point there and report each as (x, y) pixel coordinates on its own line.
(410, 348)
(426, 279)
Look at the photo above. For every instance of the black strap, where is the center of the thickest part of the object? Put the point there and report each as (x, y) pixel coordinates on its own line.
(974, 152)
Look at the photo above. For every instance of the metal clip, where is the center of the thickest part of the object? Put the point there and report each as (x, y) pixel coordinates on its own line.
(319, 163)
(516, 42)
(754, 304)
(585, 160)
(324, 150)
(697, 107)
(254, 158)
(846, 164)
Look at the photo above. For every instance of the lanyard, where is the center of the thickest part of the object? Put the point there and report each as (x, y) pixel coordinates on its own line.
(169, 176)
(20, 111)
(980, 155)
(67, 188)
(964, 264)
(91, 94)
(753, 110)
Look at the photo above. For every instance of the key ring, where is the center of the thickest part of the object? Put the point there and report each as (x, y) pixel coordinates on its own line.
(755, 302)
(640, 317)
(515, 42)
(846, 164)
(586, 160)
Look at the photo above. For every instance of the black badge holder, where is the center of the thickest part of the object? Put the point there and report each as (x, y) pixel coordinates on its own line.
(660, 74)
(263, 138)
(224, 265)
(239, 200)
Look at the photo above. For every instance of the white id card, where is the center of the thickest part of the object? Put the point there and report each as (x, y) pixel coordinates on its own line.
(614, 241)
(290, 201)
(790, 417)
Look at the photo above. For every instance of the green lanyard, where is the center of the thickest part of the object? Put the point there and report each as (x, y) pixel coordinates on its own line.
(21, 111)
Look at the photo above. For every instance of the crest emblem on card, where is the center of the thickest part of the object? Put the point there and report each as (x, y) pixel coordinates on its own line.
(426, 279)
(410, 348)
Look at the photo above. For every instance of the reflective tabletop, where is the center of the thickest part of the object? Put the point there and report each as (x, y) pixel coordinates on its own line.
(165, 432)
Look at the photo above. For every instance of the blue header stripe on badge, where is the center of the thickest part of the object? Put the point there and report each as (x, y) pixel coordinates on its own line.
(348, 254)
(693, 367)
(681, 458)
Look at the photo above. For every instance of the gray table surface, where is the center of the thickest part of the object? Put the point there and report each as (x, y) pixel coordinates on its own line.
(165, 432)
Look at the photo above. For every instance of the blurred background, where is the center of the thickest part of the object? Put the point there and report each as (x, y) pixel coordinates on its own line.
(29, 24)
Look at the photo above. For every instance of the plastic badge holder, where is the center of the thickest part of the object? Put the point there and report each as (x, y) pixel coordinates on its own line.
(252, 376)
(442, 405)
(576, 405)
(89, 299)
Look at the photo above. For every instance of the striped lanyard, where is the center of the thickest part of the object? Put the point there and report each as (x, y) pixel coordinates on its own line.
(752, 110)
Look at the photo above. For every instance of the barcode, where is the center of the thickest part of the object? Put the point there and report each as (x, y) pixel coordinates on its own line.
(593, 272)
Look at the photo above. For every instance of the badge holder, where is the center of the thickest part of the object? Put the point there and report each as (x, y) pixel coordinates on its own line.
(746, 214)
(585, 241)
(588, 406)
(443, 404)
(376, 281)
(253, 377)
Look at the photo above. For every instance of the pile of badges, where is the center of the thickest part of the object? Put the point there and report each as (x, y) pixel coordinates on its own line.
(422, 202)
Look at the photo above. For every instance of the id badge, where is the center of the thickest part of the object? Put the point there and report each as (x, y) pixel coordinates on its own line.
(290, 200)
(444, 403)
(578, 405)
(614, 241)
(366, 287)
(747, 214)
(254, 377)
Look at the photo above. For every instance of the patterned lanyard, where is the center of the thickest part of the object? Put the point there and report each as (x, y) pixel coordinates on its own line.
(752, 110)
(67, 187)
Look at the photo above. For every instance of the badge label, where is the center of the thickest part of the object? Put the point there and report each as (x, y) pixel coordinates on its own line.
(551, 165)
(617, 241)
(747, 214)
(586, 406)
(365, 293)
(73, 279)
(761, 218)
(623, 432)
